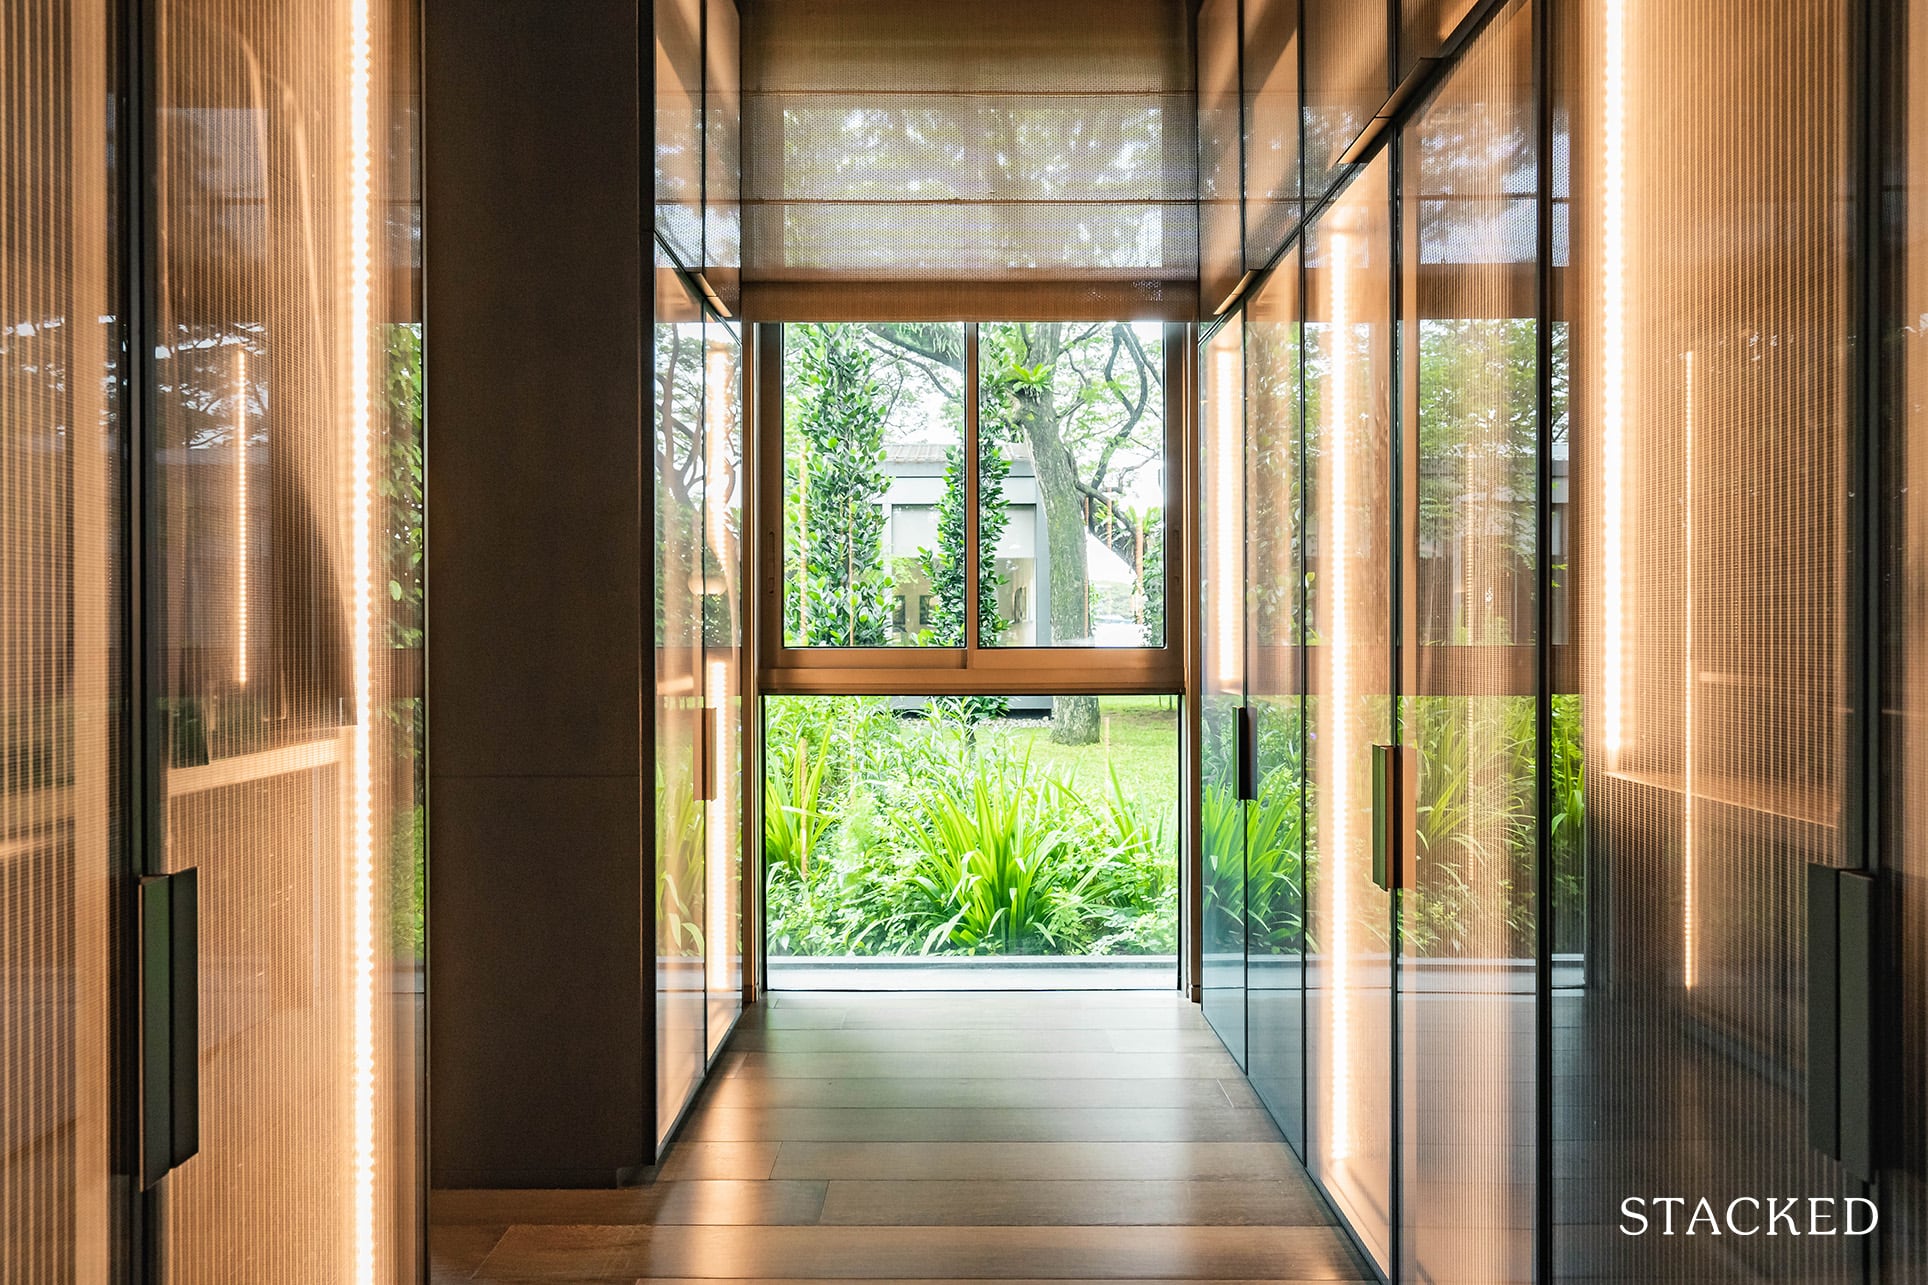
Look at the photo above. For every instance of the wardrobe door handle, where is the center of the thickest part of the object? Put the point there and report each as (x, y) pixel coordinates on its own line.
(170, 1023)
(1394, 775)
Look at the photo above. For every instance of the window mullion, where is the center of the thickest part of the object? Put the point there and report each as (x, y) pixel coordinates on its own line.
(971, 457)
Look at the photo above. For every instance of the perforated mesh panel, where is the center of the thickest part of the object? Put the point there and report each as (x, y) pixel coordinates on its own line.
(1270, 81)
(1709, 371)
(285, 449)
(948, 145)
(59, 696)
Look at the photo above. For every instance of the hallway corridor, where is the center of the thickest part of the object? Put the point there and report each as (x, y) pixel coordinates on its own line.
(1045, 1136)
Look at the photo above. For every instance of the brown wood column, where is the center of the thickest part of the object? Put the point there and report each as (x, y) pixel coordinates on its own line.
(540, 1011)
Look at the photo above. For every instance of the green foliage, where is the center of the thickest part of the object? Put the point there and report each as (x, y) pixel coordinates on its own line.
(402, 489)
(793, 821)
(679, 871)
(401, 486)
(1568, 826)
(946, 836)
(944, 566)
(838, 475)
(998, 878)
(407, 883)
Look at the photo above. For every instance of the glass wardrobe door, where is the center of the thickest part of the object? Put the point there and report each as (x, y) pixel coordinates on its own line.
(1274, 603)
(723, 674)
(680, 733)
(60, 527)
(1222, 663)
(284, 464)
(1468, 711)
(1711, 348)
(1711, 343)
(1904, 1214)
(1349, 709)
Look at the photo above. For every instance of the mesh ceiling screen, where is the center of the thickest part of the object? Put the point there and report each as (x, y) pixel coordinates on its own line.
(925, 158)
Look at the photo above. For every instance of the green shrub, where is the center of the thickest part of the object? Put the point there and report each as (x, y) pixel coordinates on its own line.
(792, 818)
(995, 875)
(944, 834)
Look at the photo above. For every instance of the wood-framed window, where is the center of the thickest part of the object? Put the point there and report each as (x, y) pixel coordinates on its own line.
(953, 507)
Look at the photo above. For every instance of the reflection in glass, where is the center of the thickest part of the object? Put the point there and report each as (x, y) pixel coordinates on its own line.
(873, 485)
(723, 620)
(679, 128)
(1710, 379)
(1222, 813)
(1274, 602)
(1904, 1244)
(1071, 422)
(1467, 910)
(1348, 422)
(1269, 60)
(1221, 170)
(285, 593)
(1347, 79)
(60, 827)
(682, 772)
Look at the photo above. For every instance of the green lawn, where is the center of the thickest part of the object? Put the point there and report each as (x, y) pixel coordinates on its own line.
(890, 833)
(1139, 740)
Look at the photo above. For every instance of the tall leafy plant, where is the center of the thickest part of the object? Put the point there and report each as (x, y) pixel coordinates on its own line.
(793, 815)
(998, 877)
(844, 596)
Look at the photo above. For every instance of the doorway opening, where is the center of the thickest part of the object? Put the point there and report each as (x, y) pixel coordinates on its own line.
(971, 842)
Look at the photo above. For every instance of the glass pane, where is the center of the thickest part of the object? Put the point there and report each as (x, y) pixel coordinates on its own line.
(922, 843)
(1221, 812)
(1270, 58)
(1348, 429)
(1904, 1187)
(1071, 423)
(679, 129)
(60, 526)
(285, 527)
(723, 619)
(722, 153)
(1711, 369)
(1424, 26)
(1221, 169)
(873, 485)
(1346, 81)
(1274, 597)
(1467, 911)
(681, 686)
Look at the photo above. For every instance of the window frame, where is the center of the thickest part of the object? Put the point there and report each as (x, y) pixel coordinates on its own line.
(972, 669)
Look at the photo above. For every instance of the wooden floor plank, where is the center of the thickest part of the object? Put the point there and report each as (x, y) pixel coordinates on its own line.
(987, 1090)
(734, 1202)
(1081, 1065)
(1103, 1203)
(911, 1161)
(1220, 1123)
(938, 1139)
(870, 1253)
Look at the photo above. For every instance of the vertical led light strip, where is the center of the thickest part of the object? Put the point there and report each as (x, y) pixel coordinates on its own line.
(1613, 293)
(1690, 965)
(241, 538)
(361, 807)
(1226, 514)
(1337, 812)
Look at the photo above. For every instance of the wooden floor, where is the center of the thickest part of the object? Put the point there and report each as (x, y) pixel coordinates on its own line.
(953, 1137)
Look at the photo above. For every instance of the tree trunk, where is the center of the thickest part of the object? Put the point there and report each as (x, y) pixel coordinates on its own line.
(1074, 719)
